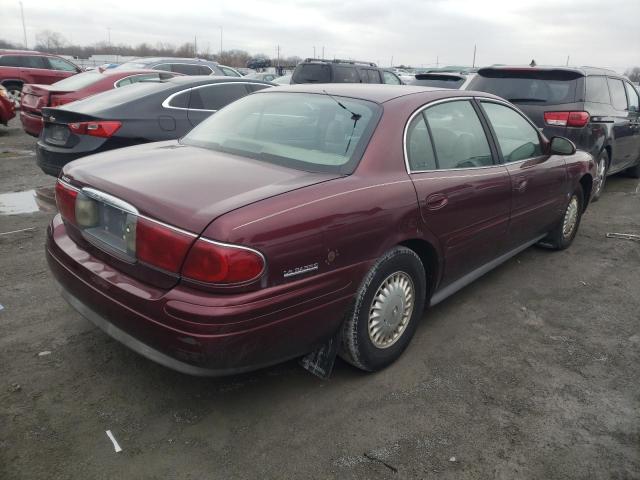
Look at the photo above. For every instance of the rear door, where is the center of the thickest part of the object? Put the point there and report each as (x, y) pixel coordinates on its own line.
(464, 195)
(210, 98)
(538, 181)
(37, 70)
(633, 100)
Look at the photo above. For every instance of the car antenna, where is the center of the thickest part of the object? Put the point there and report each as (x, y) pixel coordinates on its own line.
(354, 116)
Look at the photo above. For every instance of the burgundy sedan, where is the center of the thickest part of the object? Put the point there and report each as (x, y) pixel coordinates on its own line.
(7, 106)
(36, 97)
(308, 213)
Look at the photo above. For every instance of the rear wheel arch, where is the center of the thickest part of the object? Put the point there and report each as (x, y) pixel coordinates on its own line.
(586, 181)
(429, 258)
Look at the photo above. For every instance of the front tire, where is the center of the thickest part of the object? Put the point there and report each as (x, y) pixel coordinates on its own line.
(602, 167)
(563, 234)
(15, 92)
(386, 311)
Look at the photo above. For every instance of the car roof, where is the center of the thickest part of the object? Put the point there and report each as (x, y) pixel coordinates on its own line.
(25, 52)
(146, 60)
(584, 71)
(377, 93)
(133, 71)
(202, 79)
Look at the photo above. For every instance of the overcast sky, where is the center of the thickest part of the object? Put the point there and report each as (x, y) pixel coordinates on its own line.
(417, 32)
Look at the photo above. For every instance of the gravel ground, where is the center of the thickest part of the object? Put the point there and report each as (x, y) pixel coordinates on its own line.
(530, 373)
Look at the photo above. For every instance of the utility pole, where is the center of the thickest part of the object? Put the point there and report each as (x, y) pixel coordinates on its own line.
(24, 28)
(323, 52)
(391, 61)
(109, 36)
(195, 46)
(474, 57)
(568, 56)
(314, 51)
(221, 41)
(437, 61)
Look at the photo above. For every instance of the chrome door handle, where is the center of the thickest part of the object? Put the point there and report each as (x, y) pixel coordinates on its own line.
(521, 185)
(437, 201)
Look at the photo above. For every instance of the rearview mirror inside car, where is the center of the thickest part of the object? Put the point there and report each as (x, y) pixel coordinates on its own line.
(562, 146)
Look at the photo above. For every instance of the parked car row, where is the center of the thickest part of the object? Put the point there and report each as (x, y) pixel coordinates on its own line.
(250, 222)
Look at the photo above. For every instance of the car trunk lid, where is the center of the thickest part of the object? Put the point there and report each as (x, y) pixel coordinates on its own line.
(37, 97)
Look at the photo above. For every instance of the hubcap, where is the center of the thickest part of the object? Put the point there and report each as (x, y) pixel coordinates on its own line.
(602, 167)
(391, 310)
(15, 95)
(570, 218)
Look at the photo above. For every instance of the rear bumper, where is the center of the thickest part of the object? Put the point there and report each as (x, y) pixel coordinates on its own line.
(196, 332)
(52, 159)
(31, 123)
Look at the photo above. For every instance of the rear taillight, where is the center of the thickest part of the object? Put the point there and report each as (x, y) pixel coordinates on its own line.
(566, 119)
(161, 246)
(213, 262)
(103, 129)
(66, 201)
(56, 101)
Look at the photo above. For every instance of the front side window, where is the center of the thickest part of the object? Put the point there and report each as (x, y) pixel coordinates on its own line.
(204, 70)
(632, 95)
(214, 97)
(309, 132)
(342, 74)
(163, 66)
(518, 140)
(391, 79)
(458, 136)
(374, 76)
(419, 148)
(618, 95)
(59, 64)
(229, 72)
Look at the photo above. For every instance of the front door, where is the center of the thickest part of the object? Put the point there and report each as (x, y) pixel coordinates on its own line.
(463, 194)
(624, 147)
(538, 181)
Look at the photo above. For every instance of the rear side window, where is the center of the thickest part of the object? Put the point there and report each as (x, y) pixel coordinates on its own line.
(552, 87)
(214, 97)
(204, 70)
(344, 74)
(518, 140)
(312, 73)
(632, 95)
(419, 148)
(597, 90)
(34, 61)
(181, 100)
(618, 95)
(374, 76)
(185, 69)
(59, 64)
(458, 136)
(163, 66)
(137, 78)
(10, 61)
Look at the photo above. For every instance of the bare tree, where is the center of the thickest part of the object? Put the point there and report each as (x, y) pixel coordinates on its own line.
(633, 74)
(50, 41)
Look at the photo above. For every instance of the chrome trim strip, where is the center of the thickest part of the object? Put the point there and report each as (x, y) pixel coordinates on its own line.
(166, 105)
(110, 200)
(68, 185)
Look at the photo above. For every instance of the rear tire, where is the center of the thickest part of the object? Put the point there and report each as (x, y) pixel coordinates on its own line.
(388, 306)
(563, 234)
(15, 92)
(602, 167)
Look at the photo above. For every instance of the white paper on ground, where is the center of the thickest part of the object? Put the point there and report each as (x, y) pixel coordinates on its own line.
(116, 446)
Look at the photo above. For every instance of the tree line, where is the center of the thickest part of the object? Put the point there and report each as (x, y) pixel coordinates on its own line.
(54, 42)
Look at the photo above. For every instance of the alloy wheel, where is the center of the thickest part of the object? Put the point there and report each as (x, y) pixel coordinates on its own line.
(600, 177)
(570, 217)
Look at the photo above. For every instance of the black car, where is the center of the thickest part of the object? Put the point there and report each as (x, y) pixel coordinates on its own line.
(143, 112)
(597, 109)
(315, 70)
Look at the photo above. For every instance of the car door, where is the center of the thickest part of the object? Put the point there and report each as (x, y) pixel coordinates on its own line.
(633, 101)
(207, 99)
(538, 180)
(464, 194)
(623, 150)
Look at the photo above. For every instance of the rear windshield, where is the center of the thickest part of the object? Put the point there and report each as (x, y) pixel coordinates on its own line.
(310, 132)
(437, 81)
(550, 87)
(113, 98)
(81, 80)
(312, 73)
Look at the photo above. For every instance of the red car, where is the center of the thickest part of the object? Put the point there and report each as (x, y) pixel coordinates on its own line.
(297, 215)
(7, 107)
(37, 97)
(18, 67)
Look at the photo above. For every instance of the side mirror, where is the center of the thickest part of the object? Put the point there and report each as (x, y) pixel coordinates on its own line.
(562, 146)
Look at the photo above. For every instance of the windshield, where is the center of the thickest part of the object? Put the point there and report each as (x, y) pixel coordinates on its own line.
(539, 87)
(81, 80)
(310, 132)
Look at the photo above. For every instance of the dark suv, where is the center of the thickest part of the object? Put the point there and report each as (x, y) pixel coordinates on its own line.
(594, 107)
(19, 67)
(314, 70)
